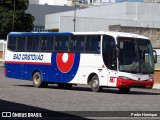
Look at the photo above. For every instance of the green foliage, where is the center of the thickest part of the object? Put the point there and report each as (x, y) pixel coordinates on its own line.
(14, 18)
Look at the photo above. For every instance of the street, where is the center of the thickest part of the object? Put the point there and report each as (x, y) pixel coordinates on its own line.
(20, 95)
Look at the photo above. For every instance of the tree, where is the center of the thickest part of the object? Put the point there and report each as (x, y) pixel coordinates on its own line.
(14, 18)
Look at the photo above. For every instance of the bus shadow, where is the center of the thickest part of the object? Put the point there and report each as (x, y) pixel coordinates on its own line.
(105, 90)
(109, 90)
(9, 109)
(132, 92)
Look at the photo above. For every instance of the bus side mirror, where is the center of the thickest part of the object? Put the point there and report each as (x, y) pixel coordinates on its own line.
(155, 56)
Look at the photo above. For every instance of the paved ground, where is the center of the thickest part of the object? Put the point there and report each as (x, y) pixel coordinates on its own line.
(19, 95)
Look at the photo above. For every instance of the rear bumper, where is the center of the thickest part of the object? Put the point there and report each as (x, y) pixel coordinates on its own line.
(134, 83)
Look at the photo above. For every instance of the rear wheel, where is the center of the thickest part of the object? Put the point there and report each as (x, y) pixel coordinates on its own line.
(64, 86)
(124, 90)
(95, 84)
(37, 80)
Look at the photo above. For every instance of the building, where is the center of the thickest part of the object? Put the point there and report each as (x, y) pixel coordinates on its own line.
(99, 18)
(152, 1)
(82, 3)
(2, 53)
(39, 12)
(60, 2)
(49, 2)
(134, 17)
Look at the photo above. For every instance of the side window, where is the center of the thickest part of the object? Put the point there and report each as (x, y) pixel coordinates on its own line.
(43, 43)
(50, 43)
(92, 44)
(95, 44)
(65, 43)
(81, 43)
(47, 43)
(58, 43)
(62, 43)
(29, 43)
(12, 40)
(87, 44)
(33, 43)
(109, 52)
(21, 42)
(73, 44)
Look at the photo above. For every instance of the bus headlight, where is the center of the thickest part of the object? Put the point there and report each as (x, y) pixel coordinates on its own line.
(124, 78)
(151, 77)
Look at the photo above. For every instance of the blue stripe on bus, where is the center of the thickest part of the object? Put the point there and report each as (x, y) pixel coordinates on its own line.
(38, 33)
(50, 73)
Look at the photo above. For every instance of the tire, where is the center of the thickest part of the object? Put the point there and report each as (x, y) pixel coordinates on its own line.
(95, 84)
(64, 86)
(124, 90)
(37, 81)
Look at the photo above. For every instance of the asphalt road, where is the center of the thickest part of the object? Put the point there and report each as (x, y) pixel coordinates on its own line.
(20, 95)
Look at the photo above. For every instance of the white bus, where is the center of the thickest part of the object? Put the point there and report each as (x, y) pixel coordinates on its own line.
(100, 59)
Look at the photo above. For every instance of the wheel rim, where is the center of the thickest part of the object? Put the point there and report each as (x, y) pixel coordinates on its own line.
(36, 79)
(95, 84)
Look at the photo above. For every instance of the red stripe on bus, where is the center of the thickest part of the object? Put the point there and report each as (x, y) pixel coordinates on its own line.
(29, 63)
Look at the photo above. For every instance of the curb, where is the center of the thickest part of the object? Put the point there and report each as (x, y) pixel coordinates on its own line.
(156, 86)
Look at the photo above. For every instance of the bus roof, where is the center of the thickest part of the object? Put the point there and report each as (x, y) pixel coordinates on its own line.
(38, 33)
(111, 33)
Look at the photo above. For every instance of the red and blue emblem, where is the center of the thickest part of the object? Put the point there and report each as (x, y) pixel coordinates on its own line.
(65, 61)
(65, 66)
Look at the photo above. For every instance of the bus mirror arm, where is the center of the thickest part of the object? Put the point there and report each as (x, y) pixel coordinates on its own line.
(155, 56)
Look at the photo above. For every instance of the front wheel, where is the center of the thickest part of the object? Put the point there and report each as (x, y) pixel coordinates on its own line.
(37, 80)
(95, 84)
(124, 90)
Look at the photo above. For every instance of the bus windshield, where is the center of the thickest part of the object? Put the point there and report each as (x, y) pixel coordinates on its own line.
(135, 55)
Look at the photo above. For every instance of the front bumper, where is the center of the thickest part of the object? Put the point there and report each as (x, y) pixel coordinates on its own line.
(134, 83)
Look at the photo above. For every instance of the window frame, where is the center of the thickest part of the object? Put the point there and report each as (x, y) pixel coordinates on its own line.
(66, 44)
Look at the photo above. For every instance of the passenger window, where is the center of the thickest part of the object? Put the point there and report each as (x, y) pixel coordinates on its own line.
(81, 43)
(35, 45)
(62, 43)
(12, 43)
(21, 42)
(58, 43)
(50, 43)
(92, 44)
(95, 44)
(29, 43)
(73, 43)
(65, 43)
(43, 43)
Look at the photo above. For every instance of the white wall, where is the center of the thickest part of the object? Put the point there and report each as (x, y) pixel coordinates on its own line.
(137, 14)
(53, 2)
(2, 49)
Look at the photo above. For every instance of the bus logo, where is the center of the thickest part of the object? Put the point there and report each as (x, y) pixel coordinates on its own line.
(65, 65)
(112, 79)
(65, 61)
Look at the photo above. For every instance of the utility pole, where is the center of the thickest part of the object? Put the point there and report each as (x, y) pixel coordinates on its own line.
(74, 19)
(13, 16)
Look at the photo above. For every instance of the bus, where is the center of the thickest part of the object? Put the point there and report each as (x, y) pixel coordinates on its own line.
(99, 59)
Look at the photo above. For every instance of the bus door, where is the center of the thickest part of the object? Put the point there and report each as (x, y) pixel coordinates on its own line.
(110, 59)
(112, 65)
(112, 78)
